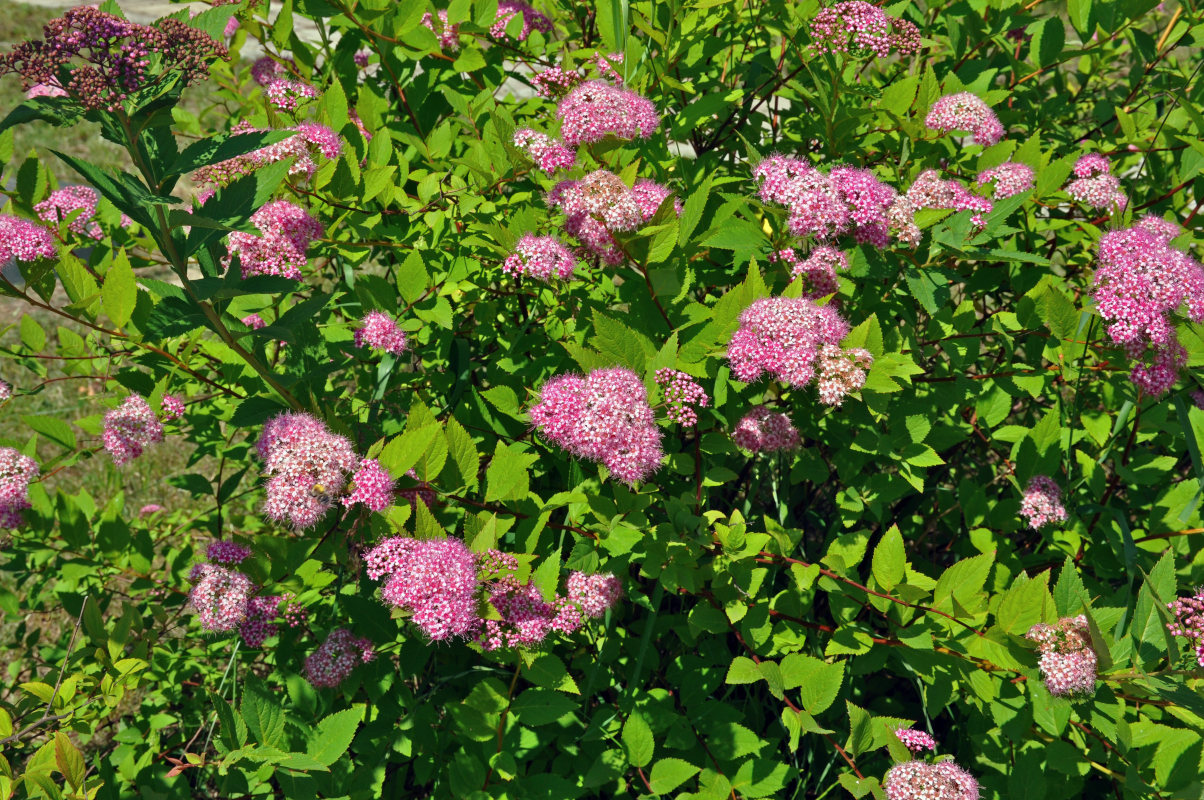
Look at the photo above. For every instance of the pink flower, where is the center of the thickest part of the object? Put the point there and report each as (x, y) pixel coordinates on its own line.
(16, 471)
(525, 618)
(681, 392)
(765, 431)
(266, 69)
(915, 741)
(434, 579)
(648, 198)
(335, 658)
(965, 112)
(920, 780)
(254, 322)
(1094, 185)
(548, 154)
(841, 372)
(930, 191)
(44, 90)
(224, 551)
(22, 240)
(817, 270)
(1090, 165)
(597, 109)
(604, 417)
(858, 27)
(596, 207)
(287, 232)
(219, 596)
(1042, 503)
(593, 594)
(173, 407)
(372, 486)
(258, 624)
(555, 81)
(532, 20)
(540, 257)
(362, 56)
(285, 95)
(63, 203)
(1197, 397)
(449, 35)
(381, 333)
(306, 465)
(150, 508)
(1010, 178)
(311, 140)
(1189, 622)
(231, 27)
(1067, 660)
(129, 429)
(847, 201)
(6, 391)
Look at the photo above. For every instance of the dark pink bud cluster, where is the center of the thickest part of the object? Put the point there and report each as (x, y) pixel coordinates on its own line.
(1067, 660)
(219, 595)
(371, 486)
(1141, 283)
(603, 417)
(449, 35)
(62, 204)
(765, 431)
(1197, 397)
(307, 467)
(964, 111)
(532, 20)
(224, 551)
(380, 332)
(16, 471)
(259, 624)
(22, 240)
(312, 140)
(1189, 622)
(1094, 184)
(129, 429)
(858, 27)
(923, 780)
(682, 393)
(931, 191)
(817, 271)
(287, 230)
(335, 658)
(99, 58)
(1010, 178)
(433, 579)
(846, 201)
(1042, 503)
(540, 257)
(286, 95)
(548, 154)
(597, 109)
(600, 205)
(173, 407)
(915, 741)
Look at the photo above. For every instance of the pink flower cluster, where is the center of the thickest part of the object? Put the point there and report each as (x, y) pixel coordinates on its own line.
(449, 35)
(219, 595)
(1189, 622)
(433, 579)
(380, 332)
(603, 417)
(286, 95)
(841, 372)
(254, 322)
(846, 201)
(526, 619)
(129, 429)
(287, 230)
(1042, 503)
(307, 467)
(964, 111)
(1140, 282)
(600, 205)
(915, 741)
(765, 431)
(859, 27)
(22, 240)
(266, 70)
(931, 191)
(6, 391)
(371, 486)
(923, 780)
(540, 257)
(173, 407)
(224, 551)
(597, 109)
(335, 658)
(817, 271)
(149, 508)
(532, 20)
(555, 81)
(682, 393)
(548, 154)
(16, 471)
(1067, 660)
(311, 140)
(1010, 178)
(45, 90)
(259, 623)
(63, 203)
(1094, 184)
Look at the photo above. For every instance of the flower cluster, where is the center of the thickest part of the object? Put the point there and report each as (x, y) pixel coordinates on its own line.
(433, 579)
(219, 595)
(1042, 503)
(129, 429)
(371, 486)
(526, 619)
(266, 69)
(22, 240)
(1140, 282)
(915, 741)
(597, 109)
(604, 417)
(307, 467)
(548, 154)
(62, 204)
(923, 780)
(965, 112)
(224, 551)
(1067, 660)
(259, 623)
(540, 257)
(1189, 622)
(335, 658)
(286, 231)
(286, 94)
(173, 407)
(99, 58)
(449, 35)
(43, 90)
(1094, 184)
(817, 271)
(149, 508)
(682, 393)
(254, 322)
(765, 431)
(16, 471)
(555, 81)
(841, 372)
(532, 20)
(846, 201)
(600, 205)
(6, 391)
(380, 332)
(859, 27)
(310, 141)
(931, 191)
(1010, 178)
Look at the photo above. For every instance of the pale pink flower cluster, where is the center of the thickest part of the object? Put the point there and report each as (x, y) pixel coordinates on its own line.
(286, 94)
(1141, 282)
(548, 154)
(1189, 622)
(859, 27)
(6, 391)
(224, 551)
(311, 140)
(266, 69)
(649, 195)
(600, 205)
(173, 407)
(540, 257)
(527, 619)
(449, 35)
(532, 20)
(555, 81)
(45, 90)
(16, 471)
(603, 417)
(63, 203)
(23, 240)
(1042, 503)
(149, 508)
(1094, 184)
(381, 333)
(841, 372)
(307, 467)
(1067, 660)
(129, 429)
(682, 393)
(254, 322)
(846, 201)
(915, 741)
(931, 191)
(765, 431)
(370, 486)
(287, 230)
(922, 780)
(597, 109)
(1010, 178)
(433, 579)
(817, 271)
(335, 658)
(220, 596)
(964, 111)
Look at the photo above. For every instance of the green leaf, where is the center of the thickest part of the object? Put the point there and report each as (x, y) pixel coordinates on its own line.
(223, 146)
(1080, 17)
(463, 452)
(1023, 605)
(612, 24)
(334, 734)
(1069, 594)
(1048, 43)
(692, 209)
(625, 346)
(119, 293)
(743, 670)
(963, 582)
(638, 741)
(262, 711)
(548, 671)
(52, 428)
(542, 706)
(890, 559)
(507, 477)
(58, 111)
(546, 576)
(77, 281)
(669, 773)
(1059, 313)
(32, 334)
(861, 730)
(402, 452)
(818, 681)
(69, 759)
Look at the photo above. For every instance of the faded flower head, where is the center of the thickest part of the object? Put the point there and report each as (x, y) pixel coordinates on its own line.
(965, 112)
(765, 431)
(129, 429)
(335, 658)
(921, 780)
(266, 69)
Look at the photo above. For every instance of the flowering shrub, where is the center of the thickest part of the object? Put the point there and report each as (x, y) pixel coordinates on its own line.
(708, 400)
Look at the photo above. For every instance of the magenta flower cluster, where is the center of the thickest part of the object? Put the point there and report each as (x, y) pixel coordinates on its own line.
(1042, 503)
(335, 658)
(532, 20)
(548, 154)
(964, 111)
(540, 257)
(129, 429)
(219, 595)
(601, 205)
(266, 69)
(16, 471)
(173, 408)
(915, 741)
(1189, 622)
(603, 416)
(1094, 185)
(816, 272)
(1009, 178)
(448, 35)
(380, 332)
(63, 204)
(858, 27)
(929, 190)
(924, 780)
(371, 486)
(1067, 661)
(682, 394)
(764, 431)
(307, 468)
(286, 95)
(597, 109)
(23, 240)
(286, 231)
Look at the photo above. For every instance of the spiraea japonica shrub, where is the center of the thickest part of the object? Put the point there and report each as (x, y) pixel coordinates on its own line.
(634, 399)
